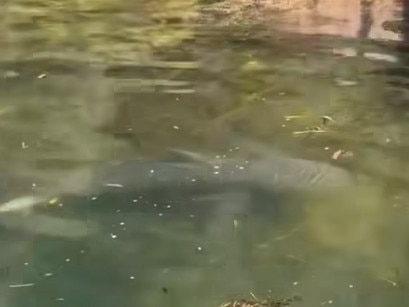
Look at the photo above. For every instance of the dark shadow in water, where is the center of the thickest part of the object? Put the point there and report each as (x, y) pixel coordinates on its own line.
(366, 18)
(405, 14)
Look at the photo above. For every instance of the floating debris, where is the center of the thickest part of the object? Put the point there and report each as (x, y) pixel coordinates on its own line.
(53, 201)
(180, 91)
(395, 284)
(343, 82)
(116, 185)
(255, 302)
(340, 153)
(336, 154)
(290, 117)
(327, 302)
(314, 130)
(22, 285)
(381, 57)
(41, 76)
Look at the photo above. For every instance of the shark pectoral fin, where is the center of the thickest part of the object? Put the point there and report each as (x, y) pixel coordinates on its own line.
(21, 204)
(186, 155)
(52, 226)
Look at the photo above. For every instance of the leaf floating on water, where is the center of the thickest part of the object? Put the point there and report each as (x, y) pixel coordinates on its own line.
(340, 153)
(336, 154)
(53, 201)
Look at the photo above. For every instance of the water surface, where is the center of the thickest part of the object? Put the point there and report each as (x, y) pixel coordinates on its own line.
(84, 83)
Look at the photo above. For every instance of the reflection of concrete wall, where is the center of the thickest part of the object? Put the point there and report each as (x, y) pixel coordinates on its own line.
(341, 17)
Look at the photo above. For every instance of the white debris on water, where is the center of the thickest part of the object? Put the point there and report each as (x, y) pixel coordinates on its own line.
(381, 57)
(344, 82)
(115, 185)
(22, 285)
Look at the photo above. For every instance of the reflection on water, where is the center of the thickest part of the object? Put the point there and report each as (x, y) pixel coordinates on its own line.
(85, 86)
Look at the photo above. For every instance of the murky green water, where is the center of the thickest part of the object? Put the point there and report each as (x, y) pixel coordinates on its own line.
(87, 82)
